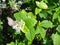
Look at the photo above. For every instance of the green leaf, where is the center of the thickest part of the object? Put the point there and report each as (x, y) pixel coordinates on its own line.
(43, 15)
(56, 39)
(12, 3)
(58, 28)
(41, 31)
(50, 11)
(25, 30)
(38, 28)
(12, 43)
(47, 42)
(59, 18)
(37, 11)
(29, 18)
(30, 22)
(30, 34)
(55, 15)
(57, 9)
(21, 43)
(31, 15)
(41, 5)
(47, 24)
(21, 15)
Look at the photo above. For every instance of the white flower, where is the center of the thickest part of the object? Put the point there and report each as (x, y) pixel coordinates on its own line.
(17, 25)
(10, 21)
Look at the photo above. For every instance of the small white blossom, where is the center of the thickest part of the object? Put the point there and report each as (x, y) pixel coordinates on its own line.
(10, 21)
(17, 25)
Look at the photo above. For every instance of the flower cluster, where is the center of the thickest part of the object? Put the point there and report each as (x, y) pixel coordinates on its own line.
(17, 25)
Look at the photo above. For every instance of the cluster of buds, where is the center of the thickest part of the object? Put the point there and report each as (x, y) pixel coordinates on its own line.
(15, 5)
(17, 25)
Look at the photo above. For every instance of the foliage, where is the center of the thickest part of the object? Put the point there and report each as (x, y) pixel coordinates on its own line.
(41, 19)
